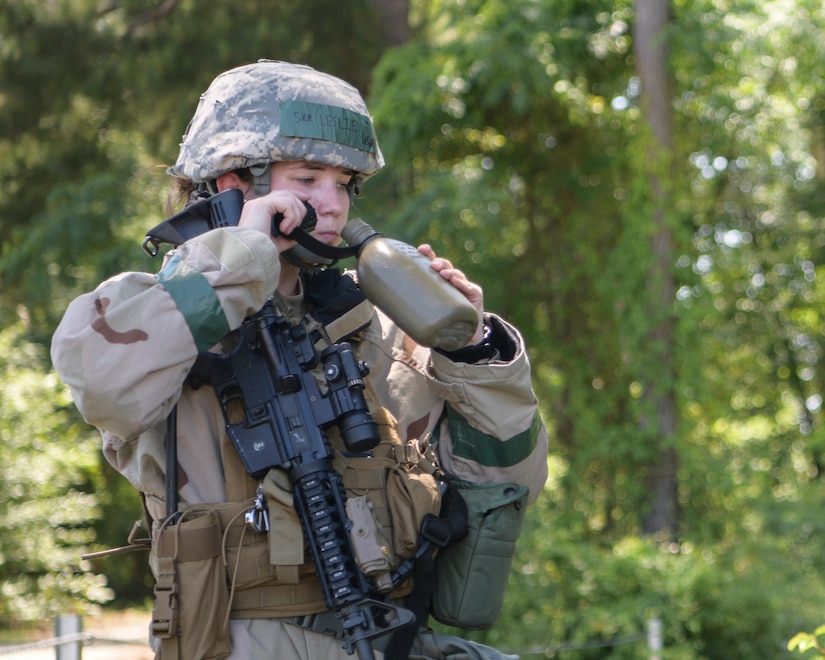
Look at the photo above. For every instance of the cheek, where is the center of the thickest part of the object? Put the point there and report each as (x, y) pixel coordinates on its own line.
(343, 202)
(342, 219)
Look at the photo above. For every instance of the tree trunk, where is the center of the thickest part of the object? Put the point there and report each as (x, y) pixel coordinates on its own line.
(650, 40)
(395, 19)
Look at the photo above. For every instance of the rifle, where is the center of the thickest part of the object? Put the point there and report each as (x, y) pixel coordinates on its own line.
(276, 416)
(267, 376)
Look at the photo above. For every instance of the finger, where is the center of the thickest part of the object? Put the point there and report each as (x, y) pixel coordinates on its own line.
(444, 267)
(258, 213)
(471, 290)
(438, 263)
(291, 215)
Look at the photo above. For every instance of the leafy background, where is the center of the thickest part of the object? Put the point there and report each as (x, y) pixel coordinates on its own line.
(518, 142)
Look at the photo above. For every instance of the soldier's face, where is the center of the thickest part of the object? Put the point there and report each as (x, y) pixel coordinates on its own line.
(323, 186)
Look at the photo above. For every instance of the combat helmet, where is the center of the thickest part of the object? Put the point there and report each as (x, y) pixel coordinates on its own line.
(271, 111)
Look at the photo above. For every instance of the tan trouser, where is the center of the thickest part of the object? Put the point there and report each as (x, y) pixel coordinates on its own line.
(270, 639)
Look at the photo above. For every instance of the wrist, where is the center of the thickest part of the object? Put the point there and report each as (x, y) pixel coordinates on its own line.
(482, 332)
(482, 350)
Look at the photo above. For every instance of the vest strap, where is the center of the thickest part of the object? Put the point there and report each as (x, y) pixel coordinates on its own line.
(165, 612)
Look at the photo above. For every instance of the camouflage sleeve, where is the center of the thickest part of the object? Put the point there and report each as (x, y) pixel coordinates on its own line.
(491, 430)
(126, 348)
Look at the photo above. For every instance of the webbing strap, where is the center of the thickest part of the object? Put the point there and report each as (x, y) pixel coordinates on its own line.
(165, 612)
(278, 600)
(172, 497)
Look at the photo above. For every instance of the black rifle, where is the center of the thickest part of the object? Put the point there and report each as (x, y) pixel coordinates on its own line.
(221, 210)
(276, 415)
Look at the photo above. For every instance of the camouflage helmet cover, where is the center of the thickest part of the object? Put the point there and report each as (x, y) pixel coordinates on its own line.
(275, 111)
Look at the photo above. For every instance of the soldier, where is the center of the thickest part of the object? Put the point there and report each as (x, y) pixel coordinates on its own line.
(284, 135)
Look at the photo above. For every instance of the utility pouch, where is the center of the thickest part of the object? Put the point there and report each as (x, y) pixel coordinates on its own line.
(401, 492)
(412, 495)
(191, 593)
(472, 573)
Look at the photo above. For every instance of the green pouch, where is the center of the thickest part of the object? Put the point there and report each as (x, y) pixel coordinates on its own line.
(472, 574)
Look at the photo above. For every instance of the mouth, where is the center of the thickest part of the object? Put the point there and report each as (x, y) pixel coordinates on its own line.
(328, 237)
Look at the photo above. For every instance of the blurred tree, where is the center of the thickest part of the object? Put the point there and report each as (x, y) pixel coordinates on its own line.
(518, 135)
(395, 21)
(519, 168)
(652, 56)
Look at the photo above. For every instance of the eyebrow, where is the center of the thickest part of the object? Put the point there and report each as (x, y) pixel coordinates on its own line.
(310, 165)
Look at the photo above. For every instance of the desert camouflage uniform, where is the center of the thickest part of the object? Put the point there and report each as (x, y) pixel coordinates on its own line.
(127, 348)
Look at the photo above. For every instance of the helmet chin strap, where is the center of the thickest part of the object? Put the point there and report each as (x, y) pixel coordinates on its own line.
(305, 259)
(310, 253)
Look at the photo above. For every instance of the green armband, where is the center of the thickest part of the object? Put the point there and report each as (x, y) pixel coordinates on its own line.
(469, 442)
(196, 300)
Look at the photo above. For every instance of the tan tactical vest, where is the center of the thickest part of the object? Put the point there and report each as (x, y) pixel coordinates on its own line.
(211, 566)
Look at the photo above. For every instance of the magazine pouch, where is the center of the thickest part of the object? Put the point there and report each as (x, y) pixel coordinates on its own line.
(191, 594)
(472, 574)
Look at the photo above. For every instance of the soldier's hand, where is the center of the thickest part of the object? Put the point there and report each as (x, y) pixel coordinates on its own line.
(472, 291)
(257, 214)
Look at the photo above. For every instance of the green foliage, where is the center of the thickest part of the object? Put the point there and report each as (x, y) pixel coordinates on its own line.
(48, 467)
(522, 171)
(803, 642)
(594, 601)
(523, 160)
(517, 147)
(73, 137)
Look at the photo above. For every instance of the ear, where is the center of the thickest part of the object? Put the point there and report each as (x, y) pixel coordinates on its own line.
(228, 181)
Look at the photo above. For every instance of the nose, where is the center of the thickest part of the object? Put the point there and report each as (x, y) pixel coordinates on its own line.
(330, 200)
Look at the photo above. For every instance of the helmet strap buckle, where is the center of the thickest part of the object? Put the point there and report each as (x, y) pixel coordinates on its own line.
(261, 178)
